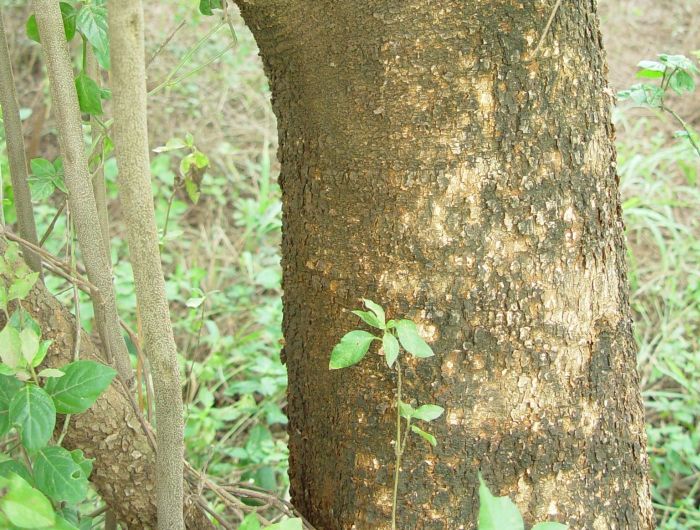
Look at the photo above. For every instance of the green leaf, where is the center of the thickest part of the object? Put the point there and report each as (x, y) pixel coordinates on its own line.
(30, 344)
(9, 386)
(425, 435)
(80, 387)
(59, 476)
(41, 353)
(376, 309)
(206, 6)
(20, 319)
(391, 348)
(85, 463)
(497, 513)
(51, 372)
(642, 95)
(41, 181)
(13, 466)
(20, 287)
(651, 69)
(550, 526)
(369, 318)
(351, 349)
(677, 61)
(405, 410)
(682, 82)
(33, 411)
(92, 23)
(3, 296)
(428, 412)
(411, 341)
(24, 506)
(250, 523)
(171, 145)
(68, 14)
(10, 346)
(88, 95)
(287, 524)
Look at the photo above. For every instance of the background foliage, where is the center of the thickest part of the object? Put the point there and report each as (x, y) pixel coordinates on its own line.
(222, 257)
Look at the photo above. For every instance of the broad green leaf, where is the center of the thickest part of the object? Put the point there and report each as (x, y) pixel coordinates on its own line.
(13, 466)
(550, 526)
(425, 435)
(643, 95)
(88, 95)
(651, 69)
(677, 61)
(391, 348)
(171, 145)
(20, 319)
(33, 411)
(51, 372)
(287, 524)
(206, 6)
(9, 386)
(10, 346)
(68, 14)
(351, 349)
(41, 353)
(250, 523)
(405, 410)
(428, 412)
(369, 318)
(85, 463)
(92, 23)
(411, 341)
(377, 310)
(682, 82)
(80, 387)
(58, 476)
(20, 287)
(62, 524)
(24, 506)
(6, 370)
(497, 513)
(30, 344)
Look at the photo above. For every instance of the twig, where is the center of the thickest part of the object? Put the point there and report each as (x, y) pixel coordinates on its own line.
(546, 28)
(53, 223)
(165, 43)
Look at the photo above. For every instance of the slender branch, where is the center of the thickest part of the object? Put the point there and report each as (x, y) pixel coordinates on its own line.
(15, 151)
(131, 144)
(166, 42)
(99, 187)
(686, 128)
(397, 447)
(546, 28)
(80, 196)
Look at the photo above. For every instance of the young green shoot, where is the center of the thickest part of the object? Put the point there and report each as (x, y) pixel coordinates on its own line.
(397, 336)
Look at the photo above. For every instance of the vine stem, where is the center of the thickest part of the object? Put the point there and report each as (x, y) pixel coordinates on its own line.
(398, 449)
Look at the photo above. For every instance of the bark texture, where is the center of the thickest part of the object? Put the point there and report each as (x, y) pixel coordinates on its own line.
(431, 163)
(81, 200)
(110, 432)
(131, 146)
(15, 151)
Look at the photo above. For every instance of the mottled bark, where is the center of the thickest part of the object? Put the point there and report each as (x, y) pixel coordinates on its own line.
(110, 431)
(430, 162)
(131, 144)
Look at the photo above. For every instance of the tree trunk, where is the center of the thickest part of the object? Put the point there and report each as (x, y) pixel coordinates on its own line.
(434, 161)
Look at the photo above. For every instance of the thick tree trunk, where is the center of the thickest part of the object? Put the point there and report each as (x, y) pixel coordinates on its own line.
(432, 162)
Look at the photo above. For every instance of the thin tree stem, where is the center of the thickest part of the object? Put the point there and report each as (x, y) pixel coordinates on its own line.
(16, 153)
(397, 448)
(687, 129)
(81, 200)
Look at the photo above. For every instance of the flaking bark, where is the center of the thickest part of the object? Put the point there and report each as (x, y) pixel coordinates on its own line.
(432, 163)
(81, 200)
(131, 146)
(15, 151)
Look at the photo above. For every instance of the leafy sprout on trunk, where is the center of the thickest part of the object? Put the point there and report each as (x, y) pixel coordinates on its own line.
(396, 336)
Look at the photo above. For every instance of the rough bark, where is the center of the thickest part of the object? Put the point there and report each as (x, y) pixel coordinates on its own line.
(131, 146)
(81, 200)
(110, 431)
(15, 151)
(430, 162)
